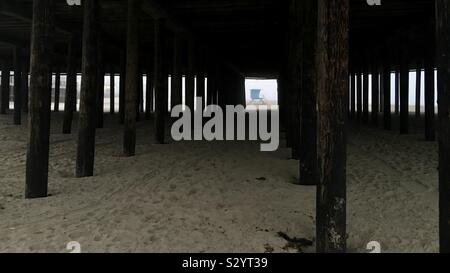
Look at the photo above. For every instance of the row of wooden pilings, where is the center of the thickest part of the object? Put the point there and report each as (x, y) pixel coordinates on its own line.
(320, 90)
(314, 100)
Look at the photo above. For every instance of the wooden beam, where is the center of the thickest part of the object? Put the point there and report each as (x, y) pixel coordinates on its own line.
(39, 116)
(87, 116)
(333, 18)
(5, 89)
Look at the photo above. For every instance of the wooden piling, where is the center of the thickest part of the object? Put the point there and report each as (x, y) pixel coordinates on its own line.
(418, 90)
(404, 96)
(57, 91)
(70, 103)
(112, 93)
(359, 99)
(132, 77)
(430, 127)
(161, 83)
(42, 37)
(308, 139)
(176, 79)
(366, 96)
(190, 77)
(443, 61)
(5, 89)
(87, 120)
(332, 88)
(353, 95)
(24, 84)
(375, 94)
(387, 119)
(17, 89)
(149, 96)
(100, 84)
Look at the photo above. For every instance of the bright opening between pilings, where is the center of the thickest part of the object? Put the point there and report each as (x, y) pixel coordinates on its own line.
(260, 92)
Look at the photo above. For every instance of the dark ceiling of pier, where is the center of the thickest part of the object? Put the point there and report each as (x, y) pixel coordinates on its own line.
(247, 33)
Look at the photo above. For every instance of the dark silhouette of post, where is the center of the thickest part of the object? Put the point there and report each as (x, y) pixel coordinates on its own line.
(387, 119)
(359, 100)
(375, 94)
(333, 51)
(308, 142)
(430, 130)
(5, 89)
(443, 61)
(100, 84)
(70, 103)
(149, 96)
(190, 77)
(418, 90)
(161, 81)
(176, 79)
(87, 120)
(17, 87)
(57, 90)
(132, 78)
(404, 96)
(353, 95)
(42, 37)
(112, 92)
(366, 96)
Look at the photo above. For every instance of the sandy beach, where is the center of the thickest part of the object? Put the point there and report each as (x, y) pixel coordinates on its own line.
(212, 197)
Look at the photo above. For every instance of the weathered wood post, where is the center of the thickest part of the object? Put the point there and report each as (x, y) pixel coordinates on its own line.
(443, 61)
(418, 90)
(161, 83)
(332, 116)
(42, 37)
(112, 93)
(57, 90)
(87, 120)
(17, 89)
(430, 130)
(5, 89)
(132, 77)
(176, 94)
(308, 142)
(375, 94)
(71, 86)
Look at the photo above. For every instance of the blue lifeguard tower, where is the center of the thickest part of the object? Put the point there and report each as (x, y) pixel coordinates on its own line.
(255, 96)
